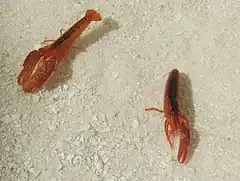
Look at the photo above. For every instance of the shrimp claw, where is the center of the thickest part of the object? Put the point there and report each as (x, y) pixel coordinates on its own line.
(184, 139)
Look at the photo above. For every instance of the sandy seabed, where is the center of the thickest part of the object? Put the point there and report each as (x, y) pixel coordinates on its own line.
(88, 121)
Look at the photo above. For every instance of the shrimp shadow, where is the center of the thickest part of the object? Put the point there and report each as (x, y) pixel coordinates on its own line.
(189, 110)
(64, 70)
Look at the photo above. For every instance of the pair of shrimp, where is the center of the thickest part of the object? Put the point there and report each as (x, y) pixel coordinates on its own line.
(39, 64)
(175, 122)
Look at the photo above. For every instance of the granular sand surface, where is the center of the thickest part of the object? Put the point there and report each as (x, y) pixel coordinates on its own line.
(88, 121)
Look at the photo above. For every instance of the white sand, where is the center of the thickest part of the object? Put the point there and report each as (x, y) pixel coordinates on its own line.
(88, 122)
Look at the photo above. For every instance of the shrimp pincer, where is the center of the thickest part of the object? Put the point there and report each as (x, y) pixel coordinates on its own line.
(39, 64)
(175, 122)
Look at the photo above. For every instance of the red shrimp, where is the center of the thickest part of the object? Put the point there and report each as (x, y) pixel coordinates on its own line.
(175, 122)
(39, 64)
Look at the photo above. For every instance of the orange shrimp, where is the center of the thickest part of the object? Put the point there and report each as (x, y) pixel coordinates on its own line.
(39, 64)
(175, 122)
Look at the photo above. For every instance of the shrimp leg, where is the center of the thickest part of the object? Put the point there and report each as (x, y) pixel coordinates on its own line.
(153, 109)
(45, 42)
(167, 126)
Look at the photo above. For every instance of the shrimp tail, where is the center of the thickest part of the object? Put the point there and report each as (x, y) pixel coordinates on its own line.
(95, 16)
(184, 139)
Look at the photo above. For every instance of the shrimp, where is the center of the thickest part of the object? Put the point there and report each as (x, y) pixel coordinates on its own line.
(175, 122)
(39, 64)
